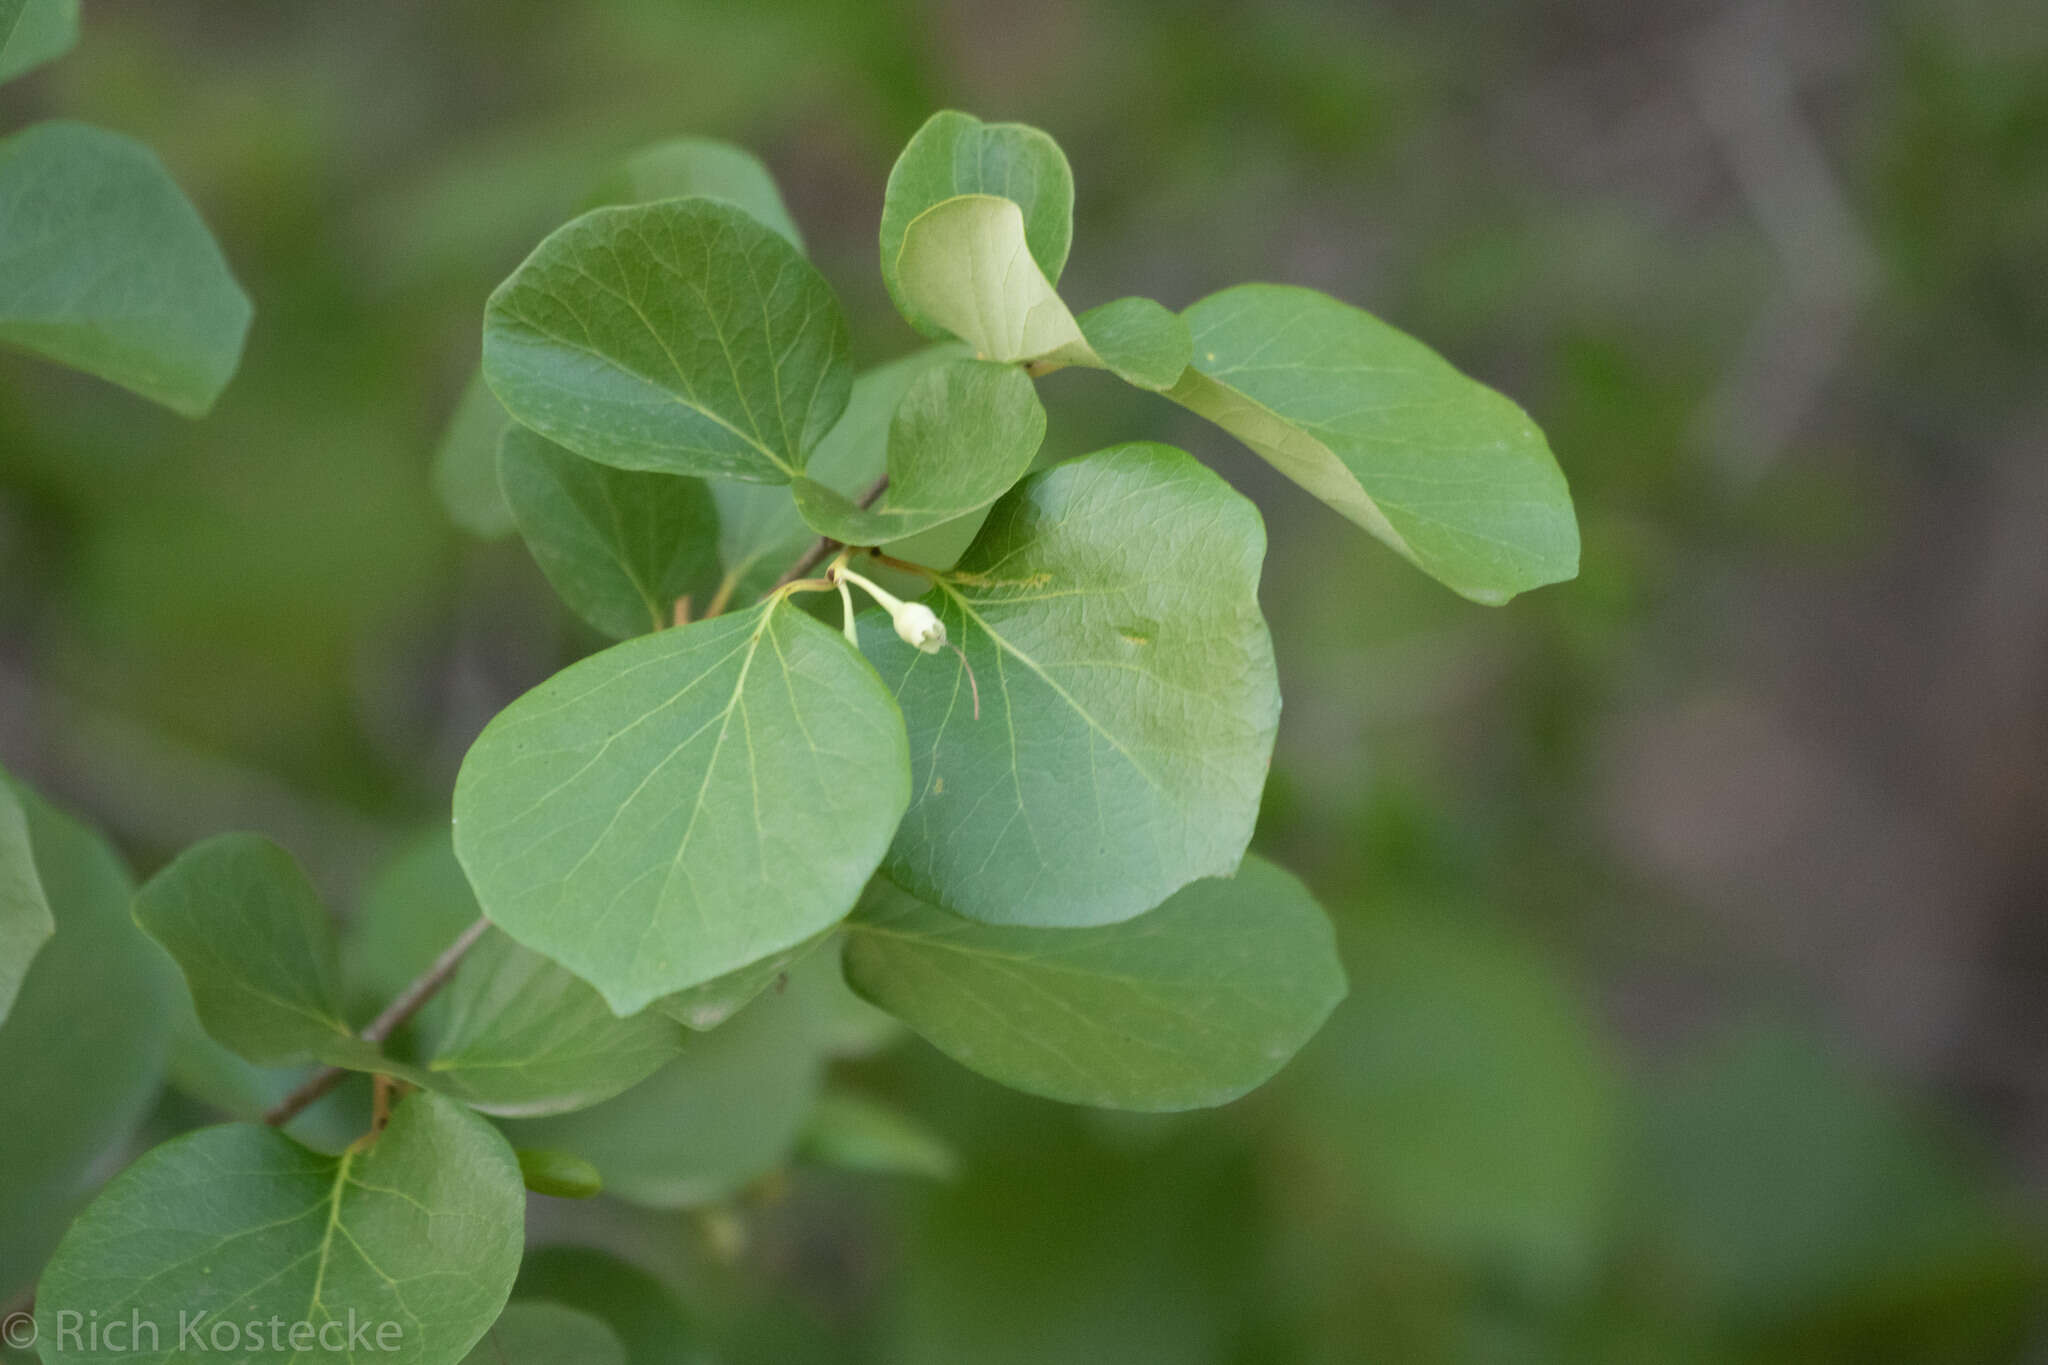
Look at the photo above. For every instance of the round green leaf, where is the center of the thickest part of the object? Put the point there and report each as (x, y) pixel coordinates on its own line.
(964, 266)
(1128, 701)
(561, 1175)
(257, 947)
(681, 336)
(82, 1053)
(1443, 469)
(963, 434)
(684, 166)
(547, 1334)
(1189, 1005)
(686, 803)
(105, 266)
(417, 1236)
(621, 546)
(25, 920)
(955, 154)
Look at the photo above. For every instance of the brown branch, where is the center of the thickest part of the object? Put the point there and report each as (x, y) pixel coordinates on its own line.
(825, 545)
(394, 1017)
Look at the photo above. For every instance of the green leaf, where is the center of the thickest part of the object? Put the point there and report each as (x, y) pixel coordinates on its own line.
(637, 1307)
(703, 1008)
(1443, 469)
(1462, 1100)
(964, 432)
(1189, 1005)
(82, 1053)
(512, 1033)
(418, 1235)
(33, 32)
(621, 546)
(106, 266)
(855, 1133)
(681, 336)
(466, 463)
(685, 166)
(965, 267)
(760, 530)
(258, 949)
(727, 1111)
(25, 920)
(516, 1034)
(560, 1175)
(1141, 342)
(547, 1334)
(1792, 1185)
(686, 803)
(955, 154)
(1110, 612)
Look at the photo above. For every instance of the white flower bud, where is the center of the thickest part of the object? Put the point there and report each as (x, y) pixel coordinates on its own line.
(917, 624)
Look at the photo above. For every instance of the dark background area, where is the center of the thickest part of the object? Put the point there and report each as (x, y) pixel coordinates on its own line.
(1696, 911)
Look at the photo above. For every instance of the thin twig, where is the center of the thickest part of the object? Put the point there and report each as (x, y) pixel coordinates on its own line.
(825, 545)
(394, 1017)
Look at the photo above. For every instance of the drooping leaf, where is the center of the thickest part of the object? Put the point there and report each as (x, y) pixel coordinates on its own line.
(681, 336)
(560, 1175)
(855, 1133)
(466, 463)
(965, 267)
(963, 433)
(418, 1236)
(621, 546)
(106, 266)
(1109, 610)
(684, 166)
(25, 920)
(636, 1306)
(759, 528)
(955, 154)
(516, 1034)
(33, 32)
(258, 949)
(537, 1333)
(1189, 1005)
(686, 803)
(1141, 342)
(1443, 469)
(82, 1053)
(727, 1111)
(704, 1007)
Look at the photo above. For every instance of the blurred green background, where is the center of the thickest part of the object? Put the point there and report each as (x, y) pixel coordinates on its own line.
(1696, 911)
